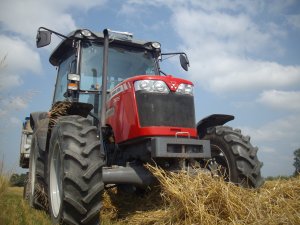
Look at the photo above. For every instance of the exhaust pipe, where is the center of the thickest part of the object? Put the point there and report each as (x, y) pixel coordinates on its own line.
(136, 175)
(104, 78)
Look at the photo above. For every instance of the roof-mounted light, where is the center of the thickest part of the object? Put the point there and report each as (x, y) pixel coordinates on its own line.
(155, 45)
(86, 33)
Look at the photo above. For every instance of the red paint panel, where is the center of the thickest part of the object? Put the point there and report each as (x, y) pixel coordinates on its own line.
(122, 113)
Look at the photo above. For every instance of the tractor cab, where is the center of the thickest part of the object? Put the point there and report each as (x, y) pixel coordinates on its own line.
(80, 59)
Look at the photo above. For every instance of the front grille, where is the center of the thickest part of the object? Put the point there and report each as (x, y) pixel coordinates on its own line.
(174, 110)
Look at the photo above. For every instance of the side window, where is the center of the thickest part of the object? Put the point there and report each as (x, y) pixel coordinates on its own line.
(66, 67)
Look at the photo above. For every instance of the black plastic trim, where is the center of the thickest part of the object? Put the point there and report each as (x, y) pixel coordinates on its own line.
(159, 147)
(211, 121)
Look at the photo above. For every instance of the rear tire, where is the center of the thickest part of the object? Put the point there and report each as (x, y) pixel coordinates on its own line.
(234, 157)
(75, 172)
(26, 188)
(36, 186)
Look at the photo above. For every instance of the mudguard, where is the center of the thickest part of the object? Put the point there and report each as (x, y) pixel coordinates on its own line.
(211, 121)
(36, 117)
(39, 122)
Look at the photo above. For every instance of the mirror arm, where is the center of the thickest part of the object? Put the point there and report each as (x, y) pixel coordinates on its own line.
(160, 71)
(54, 32)
(174, 53)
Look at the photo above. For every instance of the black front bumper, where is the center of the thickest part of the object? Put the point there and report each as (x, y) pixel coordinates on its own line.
(169, 147)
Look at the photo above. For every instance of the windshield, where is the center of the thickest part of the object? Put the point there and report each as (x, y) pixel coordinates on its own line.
(122, 64)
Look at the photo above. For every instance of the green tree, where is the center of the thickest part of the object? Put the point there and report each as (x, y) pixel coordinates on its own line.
(297, 161)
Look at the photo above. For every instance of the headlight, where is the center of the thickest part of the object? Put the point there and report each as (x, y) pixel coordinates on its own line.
(185, 89)
(156, 86)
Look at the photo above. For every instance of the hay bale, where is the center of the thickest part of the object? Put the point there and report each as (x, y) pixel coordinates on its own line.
(203, 199)
(58, 109)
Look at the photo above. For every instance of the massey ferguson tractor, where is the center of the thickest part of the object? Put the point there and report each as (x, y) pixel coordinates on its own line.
(113, 112)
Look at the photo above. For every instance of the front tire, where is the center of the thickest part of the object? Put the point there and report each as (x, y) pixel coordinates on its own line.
(234, 157)
(75, 172)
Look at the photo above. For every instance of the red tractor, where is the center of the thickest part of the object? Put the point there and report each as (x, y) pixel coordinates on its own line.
(120, 113)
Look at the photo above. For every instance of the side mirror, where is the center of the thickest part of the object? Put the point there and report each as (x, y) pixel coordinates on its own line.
(43, 38)
(184, 62)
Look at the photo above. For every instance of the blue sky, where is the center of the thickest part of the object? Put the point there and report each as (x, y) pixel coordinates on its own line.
(244, 56)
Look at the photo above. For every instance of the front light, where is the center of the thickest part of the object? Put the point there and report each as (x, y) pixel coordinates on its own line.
(156, 86)
(145, 85)
(185, 89)
(160, 86)
(73, 77)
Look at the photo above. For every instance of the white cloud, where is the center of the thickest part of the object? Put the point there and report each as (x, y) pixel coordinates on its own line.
(15, 103)
(25, 17)
(11, 104)
(294, 20)
(19, 23)
(282, 130)
(286, 100)
(278, 6)
(222, 74)
(19, 55)
(220, 46)
(276, 141)
(15, 121)
(8, 81)
(234, 33)
(267, 149)
(222, 39)
(19, 58)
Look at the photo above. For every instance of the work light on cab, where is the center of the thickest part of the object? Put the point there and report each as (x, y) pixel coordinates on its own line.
(155, 45)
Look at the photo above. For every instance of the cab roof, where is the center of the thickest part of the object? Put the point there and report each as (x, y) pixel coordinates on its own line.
(115, 39)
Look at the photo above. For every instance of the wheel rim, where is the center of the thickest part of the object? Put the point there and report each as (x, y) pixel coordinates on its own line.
(219, 164)
(32, 174)
(55, 181)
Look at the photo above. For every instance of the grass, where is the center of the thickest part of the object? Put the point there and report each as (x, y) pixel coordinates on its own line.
(3, 183)
(15, 211)
(180, 199)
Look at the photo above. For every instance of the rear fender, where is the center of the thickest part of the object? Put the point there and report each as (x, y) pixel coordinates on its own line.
(39, 122)
(36, 118)
(211, 121)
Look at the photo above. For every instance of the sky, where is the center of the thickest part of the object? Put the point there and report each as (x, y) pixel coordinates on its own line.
(244, 60)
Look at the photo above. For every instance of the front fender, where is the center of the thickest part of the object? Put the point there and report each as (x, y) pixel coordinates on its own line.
(211, 121)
